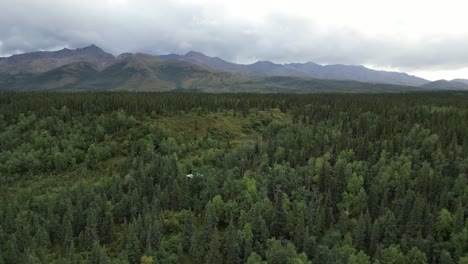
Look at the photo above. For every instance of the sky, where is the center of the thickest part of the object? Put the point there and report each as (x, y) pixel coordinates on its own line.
(427, 38)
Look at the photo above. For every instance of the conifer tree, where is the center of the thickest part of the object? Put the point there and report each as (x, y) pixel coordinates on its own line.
(214, 254)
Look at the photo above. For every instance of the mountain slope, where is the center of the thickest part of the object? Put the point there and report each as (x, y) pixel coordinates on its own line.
(43, 61)
(140, 72)
(286, 84)
(264, 66)
(363, 74)
(133, 72)
(445, 85)
(215, 63)
(460, 80)
(91, 68)
(309, 69)
(145, 72)
(59, 78)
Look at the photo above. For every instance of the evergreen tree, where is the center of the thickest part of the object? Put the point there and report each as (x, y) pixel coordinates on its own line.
(214, 255)
(416, 256)
(278, 224)
(359, 258)
(188, 232)
(132, 246)
(98, 254)
(197, 248)
(360, 233)
(106, 231)
(210, 222)
(384, 178)
(247, 241)
(232, 245)
(391, 255)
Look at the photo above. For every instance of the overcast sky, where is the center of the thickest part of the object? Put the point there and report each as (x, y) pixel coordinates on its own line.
(428, 38)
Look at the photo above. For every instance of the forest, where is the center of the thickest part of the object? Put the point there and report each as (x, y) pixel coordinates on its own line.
(122, 177)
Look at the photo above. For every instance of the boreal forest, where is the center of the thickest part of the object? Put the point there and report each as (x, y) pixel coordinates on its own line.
(234, 178)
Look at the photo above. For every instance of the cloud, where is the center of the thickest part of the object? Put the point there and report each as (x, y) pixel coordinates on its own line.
(242, 31)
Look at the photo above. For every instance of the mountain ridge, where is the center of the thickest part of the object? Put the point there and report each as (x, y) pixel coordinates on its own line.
(42, 61)
(91, 68)
(134, 72)
(308, 69)
(460, 80)
(445, 85)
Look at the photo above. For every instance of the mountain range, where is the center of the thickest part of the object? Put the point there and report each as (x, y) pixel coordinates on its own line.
(91, 68)
(309, 69)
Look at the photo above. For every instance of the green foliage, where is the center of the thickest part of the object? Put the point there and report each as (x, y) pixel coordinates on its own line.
(214, 254)
(416, 256)
(392, 255)
(254, 258)
(102, 178)
(98, 254)
(278, 253)
(359, 258)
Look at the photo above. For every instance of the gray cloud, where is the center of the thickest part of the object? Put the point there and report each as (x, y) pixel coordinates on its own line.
(161, 27)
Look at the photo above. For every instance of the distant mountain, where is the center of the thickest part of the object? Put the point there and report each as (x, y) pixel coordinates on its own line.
(286, 84)
(309, 69)
(460, 80)
(216, 63)
(91, 68)
(363, 74)
(141, 72)
(445, 85)
(43, 61)
(131, 72)
(264, 66)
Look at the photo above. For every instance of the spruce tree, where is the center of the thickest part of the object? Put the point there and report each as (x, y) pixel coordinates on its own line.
(214, 255)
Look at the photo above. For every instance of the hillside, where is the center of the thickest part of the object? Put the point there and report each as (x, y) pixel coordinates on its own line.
(445, 85)
(92, 69)
(142, 72)
(282, 84)
(309, 69)
(460, 80)
(216, 63)
(131, 72)
(139, 72)
(43, 61)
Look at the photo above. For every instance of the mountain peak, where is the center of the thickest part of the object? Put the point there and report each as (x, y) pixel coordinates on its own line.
(195, 54)
(263, 62)
(93, 48)
(125, 55)
(264, 65)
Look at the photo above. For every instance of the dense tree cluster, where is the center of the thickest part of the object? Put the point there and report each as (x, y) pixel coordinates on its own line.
(101, 178)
